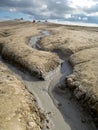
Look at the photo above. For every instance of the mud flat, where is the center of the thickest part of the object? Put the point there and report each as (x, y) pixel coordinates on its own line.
(81, 44)
(60, 108)
(52, 95)
(56, 97)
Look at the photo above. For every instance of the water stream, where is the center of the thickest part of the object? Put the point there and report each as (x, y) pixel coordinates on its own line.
(62, 110)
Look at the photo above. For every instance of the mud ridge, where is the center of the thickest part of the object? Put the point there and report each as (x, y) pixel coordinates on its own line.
(88, 100)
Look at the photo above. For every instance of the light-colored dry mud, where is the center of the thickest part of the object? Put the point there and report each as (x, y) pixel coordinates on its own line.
(13, 47)
(66, 41)
(62, 111)
(84, 79)
(75, 39)
(82, 45)
(18, 108)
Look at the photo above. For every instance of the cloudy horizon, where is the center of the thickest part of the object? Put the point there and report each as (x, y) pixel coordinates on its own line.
(85, 11)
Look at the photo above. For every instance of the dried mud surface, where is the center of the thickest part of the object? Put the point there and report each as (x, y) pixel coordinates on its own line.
(80, 44)
(18, 108)
(14, 47)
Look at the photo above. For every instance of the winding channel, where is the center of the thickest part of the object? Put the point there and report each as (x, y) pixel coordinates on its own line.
(62, 110)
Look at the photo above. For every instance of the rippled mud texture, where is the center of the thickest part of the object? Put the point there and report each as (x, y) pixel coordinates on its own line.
(18, 108)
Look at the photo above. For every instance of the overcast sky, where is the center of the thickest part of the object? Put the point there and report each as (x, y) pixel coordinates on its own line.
(71, 10)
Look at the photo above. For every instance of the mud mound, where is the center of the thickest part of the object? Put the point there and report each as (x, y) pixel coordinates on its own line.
(15, 49)
(83, 81)
(37, 63)
(83, 43)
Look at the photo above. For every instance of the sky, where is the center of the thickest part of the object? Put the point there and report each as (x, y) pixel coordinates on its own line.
(85, 11)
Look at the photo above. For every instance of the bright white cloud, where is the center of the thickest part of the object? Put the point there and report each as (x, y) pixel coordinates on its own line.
(12, 9)
(82, 3)
(79, 18)
(44, 6)
(67, 16)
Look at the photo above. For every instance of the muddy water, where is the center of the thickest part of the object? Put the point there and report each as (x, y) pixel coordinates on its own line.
(62, 110)
(35, 39)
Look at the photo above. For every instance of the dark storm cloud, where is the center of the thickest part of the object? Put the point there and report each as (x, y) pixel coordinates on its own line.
(16, 3)
(53, 9)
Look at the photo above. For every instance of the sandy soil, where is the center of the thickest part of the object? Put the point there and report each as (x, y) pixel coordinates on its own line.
(14, 37)
(81, 44)
(18, 108)
(78, 44)
(62, 110)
